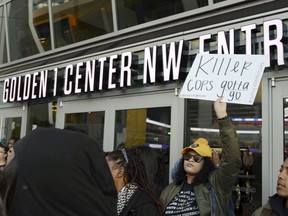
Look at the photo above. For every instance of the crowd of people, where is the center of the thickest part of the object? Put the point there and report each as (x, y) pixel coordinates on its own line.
(64, 172)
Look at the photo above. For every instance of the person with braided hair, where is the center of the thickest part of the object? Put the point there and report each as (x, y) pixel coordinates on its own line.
(135, 195)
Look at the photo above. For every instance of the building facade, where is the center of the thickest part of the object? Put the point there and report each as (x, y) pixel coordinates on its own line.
(115, 69)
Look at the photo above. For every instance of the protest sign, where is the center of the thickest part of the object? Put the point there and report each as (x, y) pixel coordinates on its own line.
(236, 78)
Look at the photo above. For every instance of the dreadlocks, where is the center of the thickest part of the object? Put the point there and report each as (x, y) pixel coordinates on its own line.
(134, 171)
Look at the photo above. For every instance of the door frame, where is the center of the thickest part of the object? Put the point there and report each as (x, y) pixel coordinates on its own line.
(272, 138)
(134, 101)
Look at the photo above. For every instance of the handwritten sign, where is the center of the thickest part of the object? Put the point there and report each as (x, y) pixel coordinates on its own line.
(236, 78)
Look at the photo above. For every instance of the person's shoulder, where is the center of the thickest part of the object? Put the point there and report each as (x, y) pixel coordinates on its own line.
(140, 200)
(169, 187)
(141, 196)
(260, 211)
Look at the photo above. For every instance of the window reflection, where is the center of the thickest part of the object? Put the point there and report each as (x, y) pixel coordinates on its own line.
(11, 128)
(91, 123)
(149, 127)
(41, 23)
(22, 40)
(41, 115)
(133, 12)
(76, 21)
(3, 47)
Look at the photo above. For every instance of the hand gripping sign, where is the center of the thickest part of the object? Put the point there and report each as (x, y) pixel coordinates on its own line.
(236, 78)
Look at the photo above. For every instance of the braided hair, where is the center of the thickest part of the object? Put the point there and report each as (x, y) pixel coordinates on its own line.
(134, 171)
(154, 168)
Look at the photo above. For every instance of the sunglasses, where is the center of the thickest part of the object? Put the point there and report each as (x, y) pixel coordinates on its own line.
(196, 158)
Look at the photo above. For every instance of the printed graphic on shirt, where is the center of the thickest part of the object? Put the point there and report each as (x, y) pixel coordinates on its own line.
(184, 203)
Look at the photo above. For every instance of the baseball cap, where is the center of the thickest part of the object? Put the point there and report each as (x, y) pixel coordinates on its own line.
(200, 146)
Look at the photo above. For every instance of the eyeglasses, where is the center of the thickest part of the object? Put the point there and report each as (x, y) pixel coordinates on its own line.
(196, 158)
(123, 150)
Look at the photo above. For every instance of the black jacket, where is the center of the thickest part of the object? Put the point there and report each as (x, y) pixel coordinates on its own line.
(275, 207)
(62, 173)
(140, 204)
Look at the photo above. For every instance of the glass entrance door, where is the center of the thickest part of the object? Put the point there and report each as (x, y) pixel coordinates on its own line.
(275, 133)
(154, 120)
(12, 124)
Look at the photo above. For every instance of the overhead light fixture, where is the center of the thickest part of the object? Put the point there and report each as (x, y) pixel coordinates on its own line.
(217, 130)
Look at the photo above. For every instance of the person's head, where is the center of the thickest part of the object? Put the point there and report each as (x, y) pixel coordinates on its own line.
(11, 143)
(3, 152)
(127, 167)
(10, 154)
(69, 158)
(116, 161)
(197, 163)
(282, 183)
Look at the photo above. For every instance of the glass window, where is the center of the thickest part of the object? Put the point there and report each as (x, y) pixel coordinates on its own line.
(3, 47)
(11, 128)
(134, 12)
(91, 123)
(41, 23)
(143, 127)
(41, 115)
(247, 119)
(285, 123)
(76, 21)
(22, 41)
(146, 127)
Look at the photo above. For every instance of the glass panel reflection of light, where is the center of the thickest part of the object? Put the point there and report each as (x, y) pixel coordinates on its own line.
(143, 127)
(134, 12)
(11, 128)
(91, 123)
(149, 130)
(41, 23)
(22, 40)
(75, 20)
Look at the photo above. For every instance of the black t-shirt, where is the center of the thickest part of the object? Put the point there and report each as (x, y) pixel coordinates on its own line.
(184, 203)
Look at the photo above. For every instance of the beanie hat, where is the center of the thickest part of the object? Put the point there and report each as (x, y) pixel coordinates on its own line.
(200, 146)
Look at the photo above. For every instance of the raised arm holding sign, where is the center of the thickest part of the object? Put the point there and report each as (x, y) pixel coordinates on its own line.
(236, 78)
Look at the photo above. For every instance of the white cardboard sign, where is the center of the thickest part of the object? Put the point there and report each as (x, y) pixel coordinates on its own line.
(236, 78)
